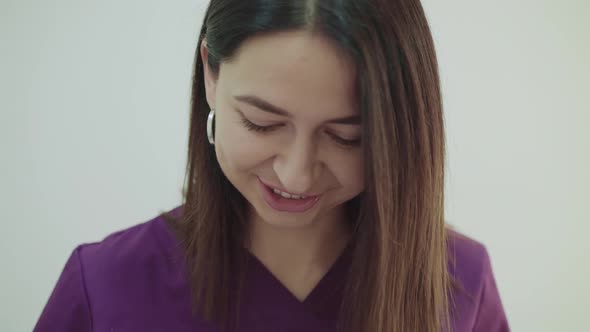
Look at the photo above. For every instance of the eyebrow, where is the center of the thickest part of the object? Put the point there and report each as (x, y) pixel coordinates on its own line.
(265, 106)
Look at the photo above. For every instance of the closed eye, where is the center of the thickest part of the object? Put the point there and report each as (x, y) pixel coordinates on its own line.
(254, 127)
(265, 129)
(343, 141)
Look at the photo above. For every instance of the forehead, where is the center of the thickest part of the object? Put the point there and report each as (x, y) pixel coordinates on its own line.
(301, 72)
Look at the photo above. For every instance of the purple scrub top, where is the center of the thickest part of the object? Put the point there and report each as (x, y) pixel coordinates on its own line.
(133, 280)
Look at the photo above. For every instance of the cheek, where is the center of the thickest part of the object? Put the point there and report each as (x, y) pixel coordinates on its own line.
(237, 148)
(348, 168)
(356, 179)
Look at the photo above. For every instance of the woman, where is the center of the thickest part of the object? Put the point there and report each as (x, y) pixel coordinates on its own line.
(314, 192)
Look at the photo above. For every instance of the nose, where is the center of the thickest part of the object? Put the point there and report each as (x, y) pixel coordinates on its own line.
(297, 166)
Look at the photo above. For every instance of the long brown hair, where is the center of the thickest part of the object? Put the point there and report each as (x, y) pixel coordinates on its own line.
(398, 279)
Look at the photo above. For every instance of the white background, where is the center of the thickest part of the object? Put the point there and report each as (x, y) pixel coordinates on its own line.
(94, 104)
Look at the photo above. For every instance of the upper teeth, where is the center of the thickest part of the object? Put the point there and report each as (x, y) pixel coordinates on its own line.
(287, 195)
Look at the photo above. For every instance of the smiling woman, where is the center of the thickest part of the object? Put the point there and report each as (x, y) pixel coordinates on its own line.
(283, 124)
(314, 193)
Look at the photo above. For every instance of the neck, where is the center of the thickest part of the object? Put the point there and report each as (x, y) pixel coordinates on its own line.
(300, 252)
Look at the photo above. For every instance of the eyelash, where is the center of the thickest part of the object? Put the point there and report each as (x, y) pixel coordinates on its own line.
(265, 129)
(345, 142)
(254, 127)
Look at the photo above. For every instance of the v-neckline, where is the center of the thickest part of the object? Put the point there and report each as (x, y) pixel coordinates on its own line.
(320, 288)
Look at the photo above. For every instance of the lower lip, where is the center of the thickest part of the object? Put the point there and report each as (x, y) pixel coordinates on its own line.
(282, 204)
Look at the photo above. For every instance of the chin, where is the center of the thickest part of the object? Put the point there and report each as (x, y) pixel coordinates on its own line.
(286, 223)
(284, 219)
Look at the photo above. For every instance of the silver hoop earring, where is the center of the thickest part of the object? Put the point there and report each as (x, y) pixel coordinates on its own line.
(210, 120)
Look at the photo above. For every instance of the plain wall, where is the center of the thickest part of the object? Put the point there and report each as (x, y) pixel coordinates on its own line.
(94, 104)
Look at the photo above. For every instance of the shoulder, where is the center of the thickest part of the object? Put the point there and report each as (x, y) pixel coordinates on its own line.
(476, 304)
(128, 252)
(468, 259)
(128, 247)
(105, 281)
(133, 272)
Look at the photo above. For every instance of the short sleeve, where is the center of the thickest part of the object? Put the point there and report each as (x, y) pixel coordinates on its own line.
(68, 308)
(490, 313)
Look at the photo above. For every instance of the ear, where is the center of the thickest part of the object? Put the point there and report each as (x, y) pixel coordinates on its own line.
(210, 78)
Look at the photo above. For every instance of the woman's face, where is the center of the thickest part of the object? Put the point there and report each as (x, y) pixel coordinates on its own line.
(287, 131)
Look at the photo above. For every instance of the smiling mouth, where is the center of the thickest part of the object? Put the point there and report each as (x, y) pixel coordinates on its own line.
(287, 195)
(286, 202)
